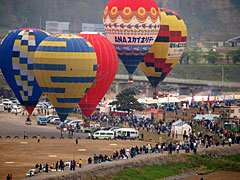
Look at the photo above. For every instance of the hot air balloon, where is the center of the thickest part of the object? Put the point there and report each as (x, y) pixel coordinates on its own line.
(167, 48)
(107, 68)
(132, 26)
(16, 61)
(65, 67)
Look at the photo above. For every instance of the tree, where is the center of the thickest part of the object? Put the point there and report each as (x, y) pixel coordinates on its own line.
(234, 55)
(195, 56)
(185, 57)
(126, 101)
(212, 57)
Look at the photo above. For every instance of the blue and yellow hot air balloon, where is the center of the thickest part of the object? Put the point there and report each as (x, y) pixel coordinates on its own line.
(16, 61)
(65, 67)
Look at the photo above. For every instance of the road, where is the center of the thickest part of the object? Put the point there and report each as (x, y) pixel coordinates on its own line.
(12, 125)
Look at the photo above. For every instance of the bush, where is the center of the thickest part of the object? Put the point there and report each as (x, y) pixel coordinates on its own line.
(69, 137)
(16, 137)
(52, 137)
(61, 138)
(44, 137)
(34, 137)
(8, 137)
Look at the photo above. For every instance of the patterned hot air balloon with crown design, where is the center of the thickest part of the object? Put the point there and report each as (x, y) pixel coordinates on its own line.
(132, 26)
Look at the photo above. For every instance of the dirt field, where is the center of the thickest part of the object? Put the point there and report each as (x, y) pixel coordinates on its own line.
(18, 155)
(220, 175)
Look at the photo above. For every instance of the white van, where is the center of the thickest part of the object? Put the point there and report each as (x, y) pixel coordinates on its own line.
(131, 133)
(104, 135)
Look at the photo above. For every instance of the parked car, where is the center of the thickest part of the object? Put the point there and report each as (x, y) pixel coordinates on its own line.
(75, 122)
(102, 134)
(49, 118)
(106, 128)
(131, 133)
(31, 172)
(16, 110)
(42, 120)
(55, 121)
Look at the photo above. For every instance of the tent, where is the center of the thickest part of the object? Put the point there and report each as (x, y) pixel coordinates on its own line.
(168, 100)
(186, 128)
(105, 108)
(206, 116)
(179, 127)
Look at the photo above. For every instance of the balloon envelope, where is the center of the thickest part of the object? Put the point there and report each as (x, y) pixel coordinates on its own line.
(65, 67)
(107, 68)
(167, 48)
(16, 61)
(132, 26)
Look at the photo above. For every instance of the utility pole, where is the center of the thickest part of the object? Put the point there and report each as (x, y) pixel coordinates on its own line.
(40, 22)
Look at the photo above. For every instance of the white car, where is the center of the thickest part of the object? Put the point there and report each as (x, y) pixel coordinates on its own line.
(75, 122)
(31, 172)
(16, 110)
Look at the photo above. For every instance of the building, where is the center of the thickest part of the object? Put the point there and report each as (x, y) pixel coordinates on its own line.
(56, 27)
(230, 117)
(87, 27)
(234, 42)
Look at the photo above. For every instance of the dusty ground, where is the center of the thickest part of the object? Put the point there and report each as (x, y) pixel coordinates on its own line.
(18, 155)
(220, 175)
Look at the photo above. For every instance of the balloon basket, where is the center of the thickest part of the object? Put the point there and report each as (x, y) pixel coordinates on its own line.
(130, 79)
(28, 121)
(155, 95)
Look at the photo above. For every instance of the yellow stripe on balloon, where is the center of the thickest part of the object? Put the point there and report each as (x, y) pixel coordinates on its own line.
(61, 55)
(54, 43)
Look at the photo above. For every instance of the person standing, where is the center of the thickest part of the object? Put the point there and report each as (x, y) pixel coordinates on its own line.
(46, 166)
(230, 141)
(71, 165)
(74, 164)
(38, 139)
(56, 166)
(178, 147)
(24, 134)
(80, 163)
(8, 177)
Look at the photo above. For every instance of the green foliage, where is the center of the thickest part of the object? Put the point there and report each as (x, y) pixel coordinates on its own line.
(126, 101)
(195, 57)
(206, 72)
(212, 57)
(192, 163)
(234, 56)
(154, 172)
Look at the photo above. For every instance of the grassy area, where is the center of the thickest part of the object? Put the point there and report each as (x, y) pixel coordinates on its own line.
(155, 172)
(195, 163)
(197, 71)
(155, 137)
(206, 72)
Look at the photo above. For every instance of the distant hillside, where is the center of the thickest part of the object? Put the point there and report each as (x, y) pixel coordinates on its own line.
(204, 19)
(197, 71)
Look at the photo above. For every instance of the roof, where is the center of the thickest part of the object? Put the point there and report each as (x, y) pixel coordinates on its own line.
(206, 116)
(180, 123)
(234, 40)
